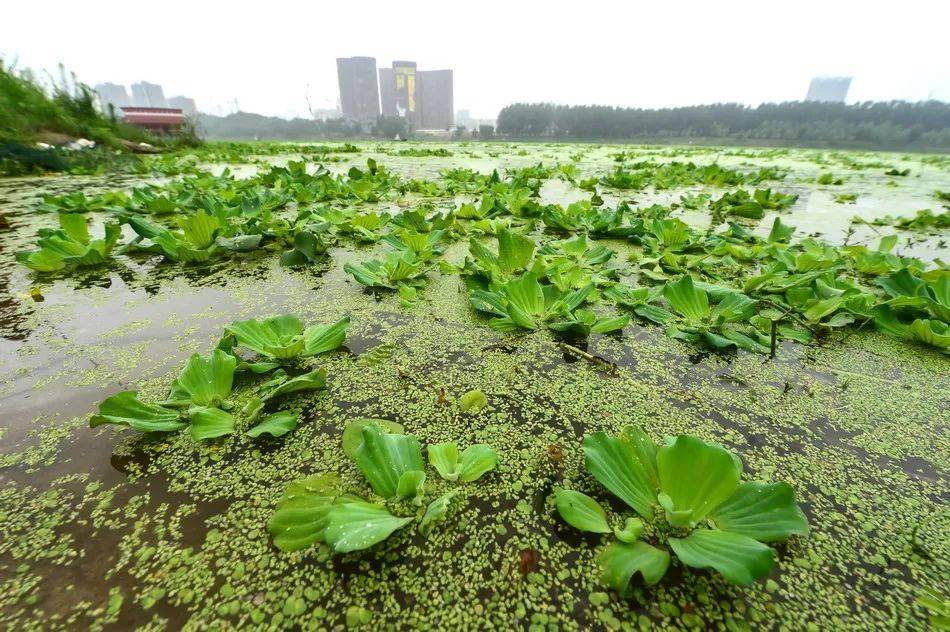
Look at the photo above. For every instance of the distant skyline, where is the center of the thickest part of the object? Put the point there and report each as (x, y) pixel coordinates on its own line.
(272, 59)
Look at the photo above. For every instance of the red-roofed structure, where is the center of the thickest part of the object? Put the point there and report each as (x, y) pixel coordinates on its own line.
(156, 119)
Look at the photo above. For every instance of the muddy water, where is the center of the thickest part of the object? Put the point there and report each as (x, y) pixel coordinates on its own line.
(858, 430)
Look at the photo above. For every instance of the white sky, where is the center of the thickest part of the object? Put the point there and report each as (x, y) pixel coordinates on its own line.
(269, 55)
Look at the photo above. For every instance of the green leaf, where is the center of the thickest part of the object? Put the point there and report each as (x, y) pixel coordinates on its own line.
(823, 308)
(353, 524)
(780, 232)
(473, 401)
(239, 243)
(301, 514)
(410, 485)
(383, 458)
(580, 511)
(514, 250)
(314, 380)
(645, 450)
(275, 425)
(436, 511)
(208, 423)
(125, 409)
(444, 457)
(620, 561)
(935, 333)
(320, 339)
(353, 433)
(764, 512)
(200, 229)
(252, 409)
(74, 225)
(279, 337)
(632, 530)
(695, 478)
(475, 461)
(617, 465)
(691, 302)
(206, 380)
(738, 558)
(525, 301)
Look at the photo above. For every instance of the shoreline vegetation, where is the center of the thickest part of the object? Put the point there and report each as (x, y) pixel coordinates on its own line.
(893, 125)
(57, 127)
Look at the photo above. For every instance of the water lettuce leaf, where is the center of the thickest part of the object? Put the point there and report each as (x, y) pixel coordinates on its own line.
(314, 380)
(475, 461)
(384, 457)
(301, 514)
(436, 512)
(280, 337)
(580, 511)
(738, 558)
(410, 485)
(276, 425)
(473, 401)
(209, 423)
(695, 477)
(205, 380)
(631, 532)
(620, 561)
(619, 466)
(764, 512)
(353, 524)
(353, 433)
(126, 409)
(319, 339)
(444, 457)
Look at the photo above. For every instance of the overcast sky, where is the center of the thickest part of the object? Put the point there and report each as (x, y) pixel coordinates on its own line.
(269, 56)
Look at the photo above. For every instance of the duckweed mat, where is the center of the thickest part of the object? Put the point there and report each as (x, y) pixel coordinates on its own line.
(108, 528)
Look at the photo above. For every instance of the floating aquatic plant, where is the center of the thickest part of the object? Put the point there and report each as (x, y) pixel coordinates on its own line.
(70, 245)
(710, 518)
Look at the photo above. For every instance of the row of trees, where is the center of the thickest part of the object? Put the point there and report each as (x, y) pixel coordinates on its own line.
(248, 126)
(880, 124)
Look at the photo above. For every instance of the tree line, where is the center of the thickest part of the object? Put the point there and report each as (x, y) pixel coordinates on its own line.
(893, 124)
(249, 126)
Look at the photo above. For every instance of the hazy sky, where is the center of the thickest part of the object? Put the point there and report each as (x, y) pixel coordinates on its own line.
(269, 56)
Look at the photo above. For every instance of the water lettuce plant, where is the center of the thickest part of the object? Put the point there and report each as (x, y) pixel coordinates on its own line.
(199, 398)
(714, 324)
(70, 245)
(398, 268)
(284, 337)
(524, 303)
(710, 518)
(314, 509)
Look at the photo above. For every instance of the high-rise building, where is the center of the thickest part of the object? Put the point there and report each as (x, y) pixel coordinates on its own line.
(359, 92)
(112, 94)
(407, 92)
(435, 99)
(828, 89)
(148, 95)
(387, 92)
(185, 104)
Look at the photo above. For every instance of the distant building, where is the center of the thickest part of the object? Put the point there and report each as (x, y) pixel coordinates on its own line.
(112, 94)
(155, 119)
(828, 89)
(148, 95)
(464, 118)
(387, 92)
(406, 90)
(185, 104)
(436, 99)
(359, 92)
